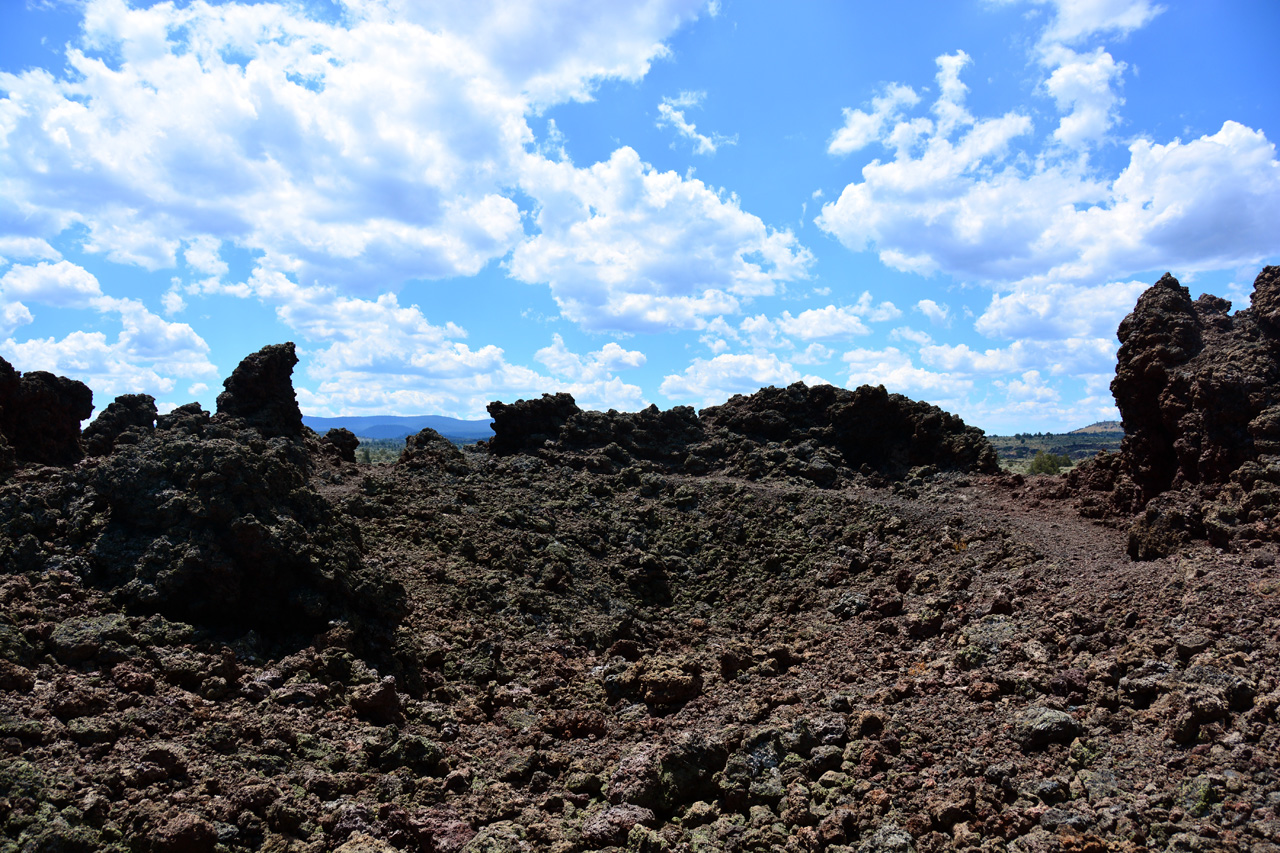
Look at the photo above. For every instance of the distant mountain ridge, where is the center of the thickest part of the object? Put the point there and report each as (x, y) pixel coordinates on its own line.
(1100, 426)
(397, 426)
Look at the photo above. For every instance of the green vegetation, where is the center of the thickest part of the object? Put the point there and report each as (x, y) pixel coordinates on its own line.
(379, 451)
(384, 451)
(1018, 452)
(1048, 463)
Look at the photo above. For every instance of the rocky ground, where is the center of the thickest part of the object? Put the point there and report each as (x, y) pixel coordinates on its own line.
(746, 630)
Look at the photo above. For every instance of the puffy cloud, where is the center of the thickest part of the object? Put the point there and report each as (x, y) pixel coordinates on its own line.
(558, 50)
(862, 128)
(1076, 20)
(26, 249)
(1210, 203)
(12, 316)
(1054, 311)
(1030, 387)
(58, 285)
(590, 378)
(895, 370)
(712, 381)
(1068, 357)
(671, 114)
(813, 354)
(148, 351)
(970, 208)
(365, 152)
(982, 199)
(761, 333)
(149, 354)
(906, 333)
(823, 323)
(939, 315)
(831, 322)
(625, 247)
(201, 254)
(1081, 85)
(949, 108)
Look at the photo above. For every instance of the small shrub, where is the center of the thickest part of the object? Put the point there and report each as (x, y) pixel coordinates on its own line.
(1049, 463)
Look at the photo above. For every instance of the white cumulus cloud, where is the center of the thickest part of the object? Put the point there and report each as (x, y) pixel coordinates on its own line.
(625, 247)
(362, 153)
(863, 128)
(591, 378)
(712, 381)
(671, 114)
(968, 204)
(896, 371)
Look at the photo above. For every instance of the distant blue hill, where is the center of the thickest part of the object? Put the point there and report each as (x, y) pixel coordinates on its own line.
(394, 426)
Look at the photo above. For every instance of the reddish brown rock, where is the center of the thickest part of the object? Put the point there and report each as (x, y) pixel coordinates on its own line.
(1196, 386)
(186, 833)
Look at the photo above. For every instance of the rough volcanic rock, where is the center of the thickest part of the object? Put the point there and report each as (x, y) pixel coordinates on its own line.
(8, 459)
(1197, 387)
(40, 415)
(260, 391)
(799, 432)
(1161, 333)
(868, 426)
(343, 441)
(648, 434)
(222, 529)
(134, 413)
(525, 424)
(1199, 391)
(428, 448)
(207, 520)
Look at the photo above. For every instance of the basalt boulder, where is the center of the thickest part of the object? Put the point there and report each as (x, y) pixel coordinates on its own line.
(870, 427)
(526, 424)
(1199, 391)
(1198, 388)
(260, 392)
(343, 443)
(125, 420)
(210, 521)
(40, 415)
(429, 449)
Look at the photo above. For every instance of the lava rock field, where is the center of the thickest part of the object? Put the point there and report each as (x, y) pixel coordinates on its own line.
(810, 619)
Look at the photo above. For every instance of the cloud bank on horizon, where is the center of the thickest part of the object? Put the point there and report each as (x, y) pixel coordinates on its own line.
(669, 201)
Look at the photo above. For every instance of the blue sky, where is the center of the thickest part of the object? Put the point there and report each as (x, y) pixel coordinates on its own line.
(660, 202)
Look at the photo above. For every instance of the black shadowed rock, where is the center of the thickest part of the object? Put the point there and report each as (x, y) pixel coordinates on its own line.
(1162, 334)
(868, 426)
(1192, 379)
(224, 530)
(647, 434)
(799, 432)
(125, 419)
(525, 424)
(344, 441)
(207, 521)
(429, 448)
(260, 391)
(40, 415)
(189, 418)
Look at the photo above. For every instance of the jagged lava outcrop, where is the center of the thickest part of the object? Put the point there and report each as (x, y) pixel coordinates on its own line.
(822, 434)
(1199, 391)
